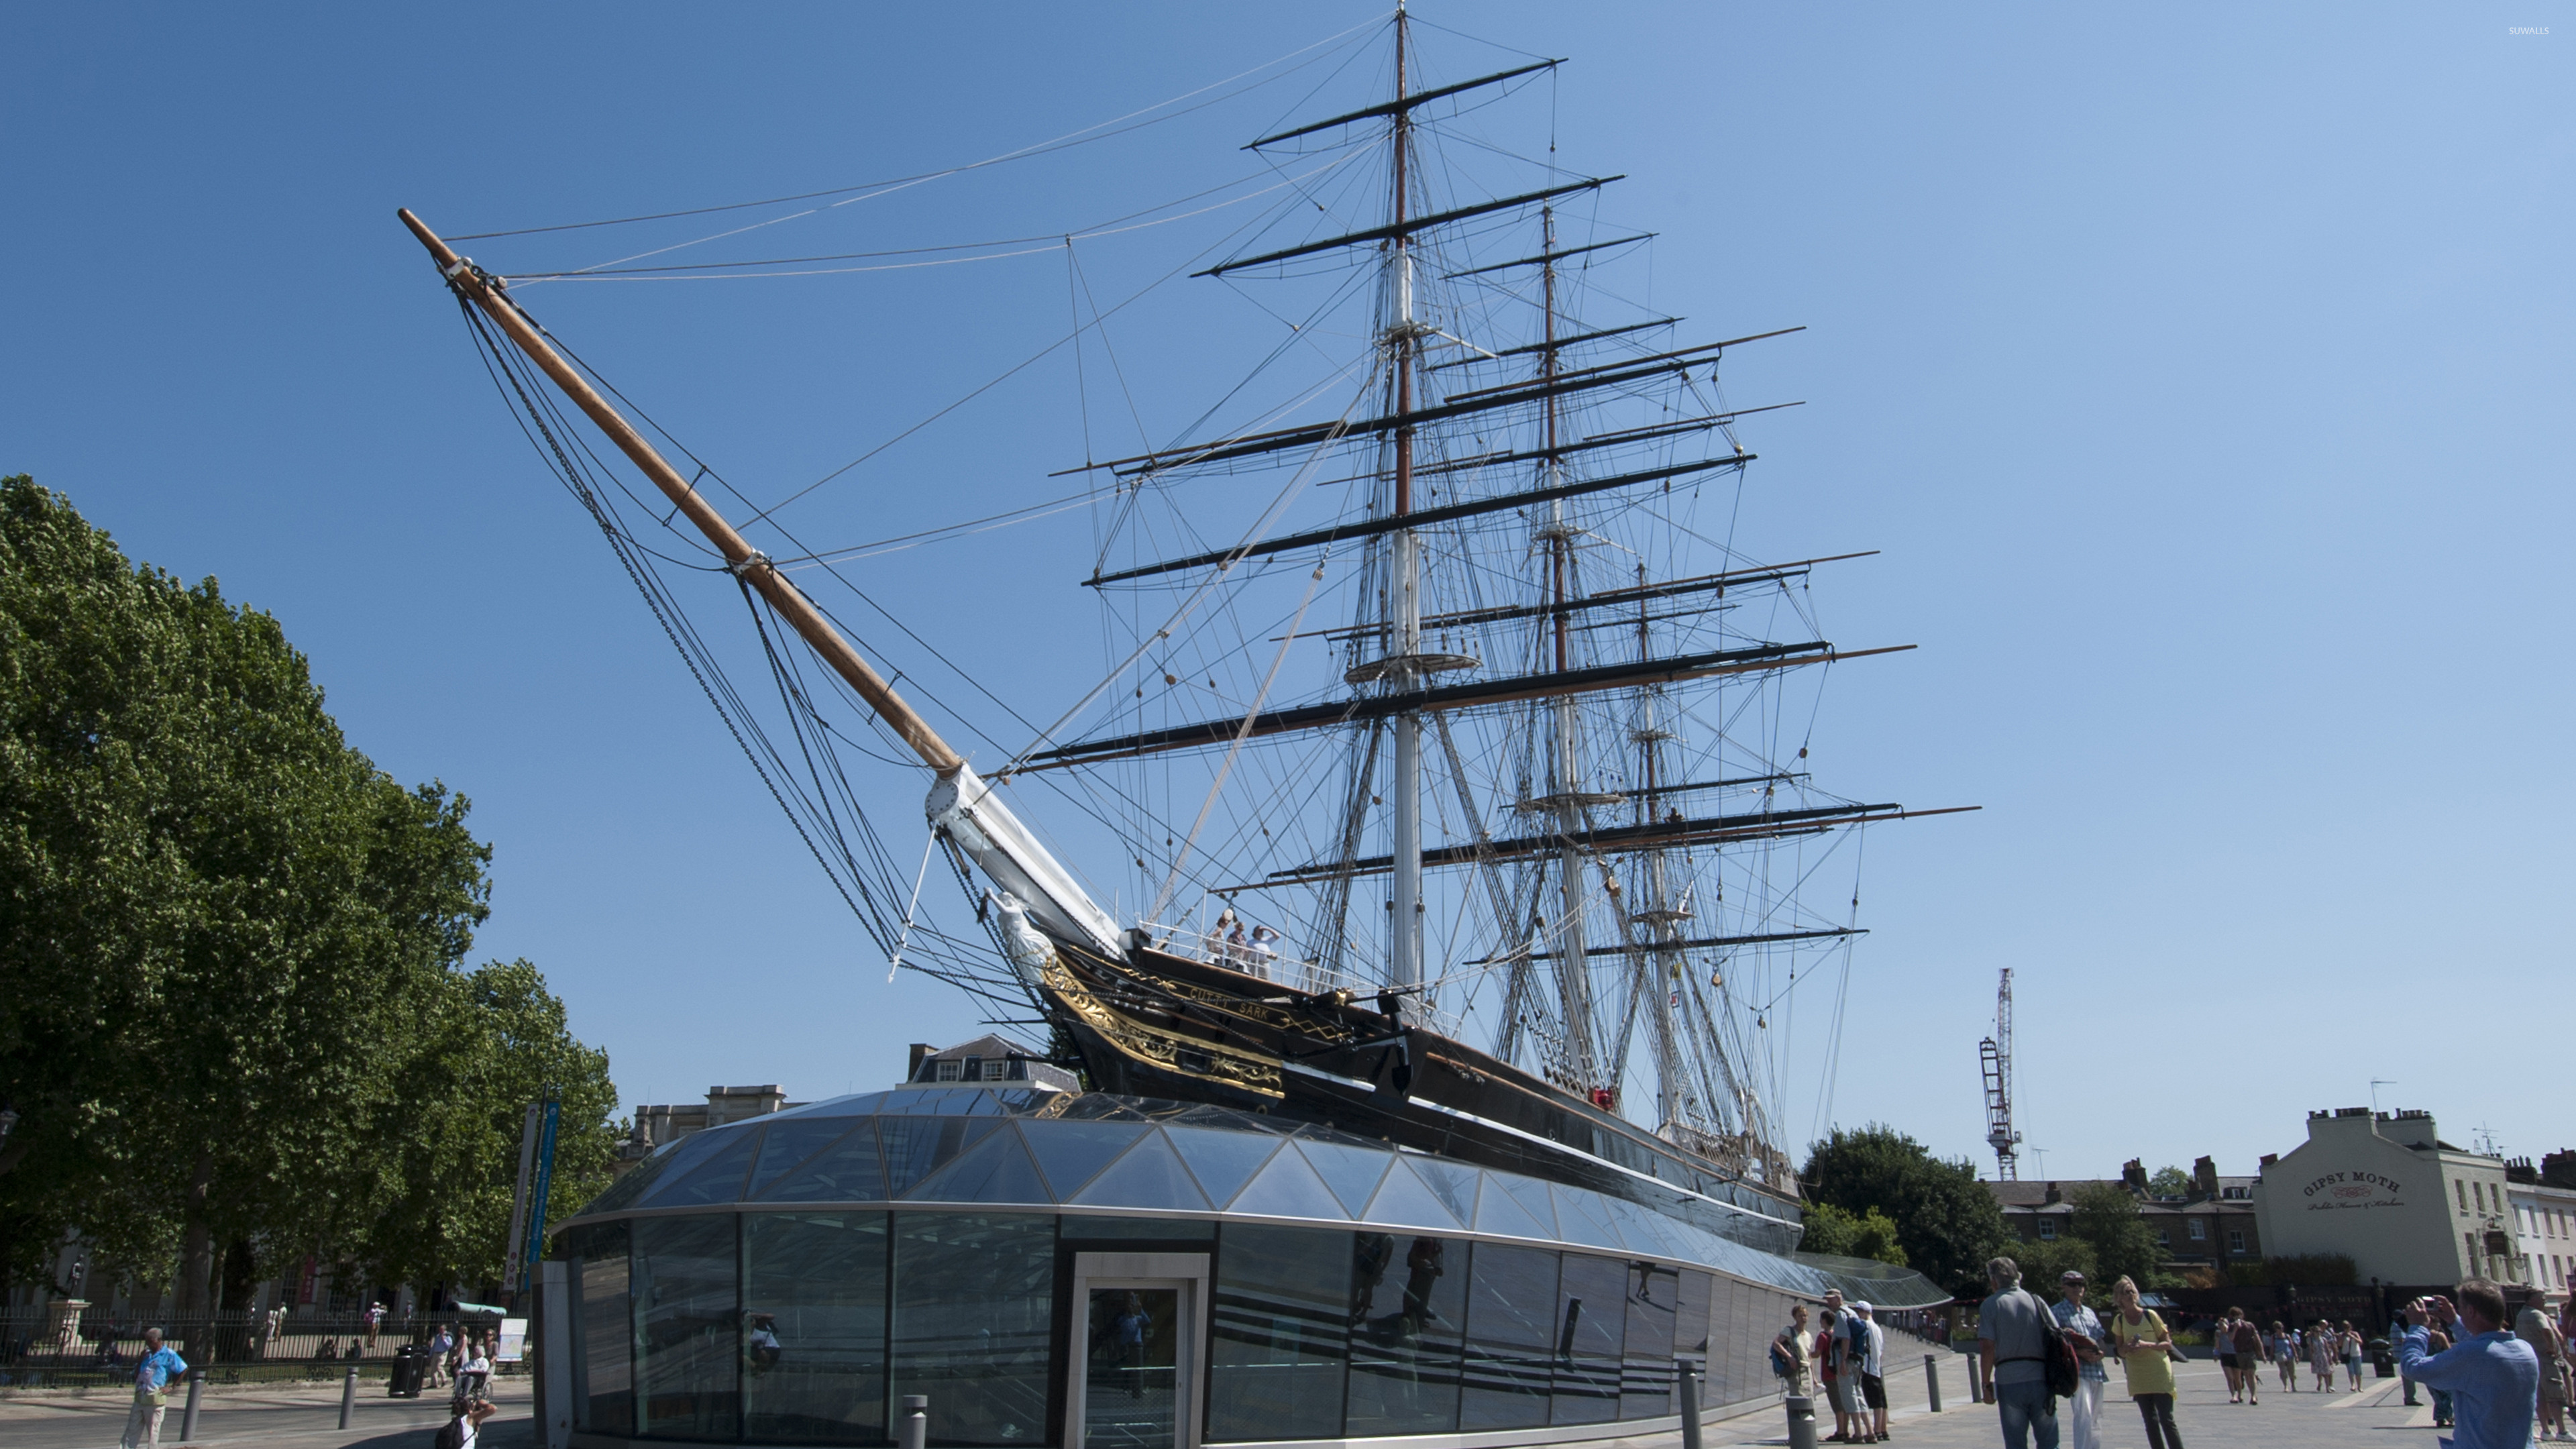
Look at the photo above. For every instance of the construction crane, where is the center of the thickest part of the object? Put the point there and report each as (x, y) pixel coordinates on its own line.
(1995, 1055)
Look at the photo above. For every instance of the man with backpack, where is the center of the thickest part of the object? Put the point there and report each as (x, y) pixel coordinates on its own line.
(465, 1425)
(2015, 1337)
(2248, 1343)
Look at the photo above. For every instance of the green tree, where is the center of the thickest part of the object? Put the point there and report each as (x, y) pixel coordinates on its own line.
(229, 938)
(2043, 1262)
(1867, 1234)
(1946, 1221)
(2106, 1217)
(2169, 1181)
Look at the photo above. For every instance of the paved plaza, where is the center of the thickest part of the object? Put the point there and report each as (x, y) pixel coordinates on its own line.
(294, 1418)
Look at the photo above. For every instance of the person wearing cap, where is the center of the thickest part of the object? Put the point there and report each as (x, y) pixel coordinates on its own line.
(1870, 1347)
(2083, 1330)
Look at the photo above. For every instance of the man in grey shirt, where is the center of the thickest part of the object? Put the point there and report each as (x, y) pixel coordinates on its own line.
(2011, 1353)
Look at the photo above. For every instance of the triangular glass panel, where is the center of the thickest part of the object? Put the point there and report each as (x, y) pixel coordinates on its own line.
(1581, 1218)
(846, 1171)
(1222, 1161)
(718, 1178)
(916, 1147)
(1402, 1201)
(1638, 1227)
(1351, 1172)
(996, 1169)
(623, 1192)
(1071, 1152)
(857, 1104)
(1098, 1106)
(790, 1143)
(1501, 1211)
(1288, 1188)
(1149, 1176)
(1206, 1116)
(1527, 1194)
(1454, 1183)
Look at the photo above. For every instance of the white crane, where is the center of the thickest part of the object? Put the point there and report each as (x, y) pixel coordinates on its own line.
(1995, 1054)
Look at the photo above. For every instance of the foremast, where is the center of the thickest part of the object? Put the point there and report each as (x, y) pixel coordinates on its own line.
(1403, 343)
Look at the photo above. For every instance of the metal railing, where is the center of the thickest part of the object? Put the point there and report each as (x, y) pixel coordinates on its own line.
(1265, 960)
(37, 1349)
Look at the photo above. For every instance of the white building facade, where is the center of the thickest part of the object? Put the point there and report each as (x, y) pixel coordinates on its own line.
(2384, 1190)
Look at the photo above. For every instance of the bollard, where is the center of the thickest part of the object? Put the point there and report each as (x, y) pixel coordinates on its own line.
(912, 1429)
(348, 1396)
(1686, 1391)
(1802, 1422)
(188, 1416)
(1932, 1380)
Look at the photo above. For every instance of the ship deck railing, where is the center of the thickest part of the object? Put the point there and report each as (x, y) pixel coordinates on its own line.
(1312, 977)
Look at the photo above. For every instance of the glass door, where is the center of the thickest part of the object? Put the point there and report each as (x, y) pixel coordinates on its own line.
(1131, 1383)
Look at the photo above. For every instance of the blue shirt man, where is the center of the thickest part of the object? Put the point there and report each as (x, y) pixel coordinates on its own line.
(161, 1365)
(2492, 1377)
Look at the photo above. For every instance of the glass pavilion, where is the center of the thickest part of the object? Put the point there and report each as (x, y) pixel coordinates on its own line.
(1112, 1273)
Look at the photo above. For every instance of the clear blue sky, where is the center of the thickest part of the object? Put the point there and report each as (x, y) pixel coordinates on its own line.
(2203, 372)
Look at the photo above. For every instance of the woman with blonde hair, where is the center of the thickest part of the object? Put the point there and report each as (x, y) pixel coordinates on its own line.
(2146, 1360)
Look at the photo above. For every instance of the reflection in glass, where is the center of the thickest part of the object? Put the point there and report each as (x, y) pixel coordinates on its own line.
(1408, 1319)
(1103, 1228)
(974, 1303)
(1690, 1336)
(1073, 1152)
(1646, 1380)
(603, 1337)
(813, 1327)
(1591, 1324)
(719, 1179)
(1132, 1383)
(846, 1171)
(1282, 1306)
(1511, 1338)
(685, 1326)
(915, 1147)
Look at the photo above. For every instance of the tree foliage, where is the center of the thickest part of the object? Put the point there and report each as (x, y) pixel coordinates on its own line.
(231, 941)
(1866, 1234)
(2169, 1181)
(1946, 1221)
(2106, 1217)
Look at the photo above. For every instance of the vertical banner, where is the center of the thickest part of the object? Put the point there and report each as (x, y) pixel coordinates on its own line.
(533, 1246)
(511, 1264)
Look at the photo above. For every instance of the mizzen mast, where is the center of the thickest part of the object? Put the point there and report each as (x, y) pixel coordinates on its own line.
(1404, 579)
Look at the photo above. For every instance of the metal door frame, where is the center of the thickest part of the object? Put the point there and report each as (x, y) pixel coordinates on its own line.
(1187, 1272)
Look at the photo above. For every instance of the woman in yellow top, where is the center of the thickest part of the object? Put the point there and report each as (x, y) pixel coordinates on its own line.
(2146, 1360)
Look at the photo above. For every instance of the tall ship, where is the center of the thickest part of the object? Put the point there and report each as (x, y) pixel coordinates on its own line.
(1453, 756)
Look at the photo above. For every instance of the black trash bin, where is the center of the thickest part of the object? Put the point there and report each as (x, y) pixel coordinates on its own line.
(410, 1371)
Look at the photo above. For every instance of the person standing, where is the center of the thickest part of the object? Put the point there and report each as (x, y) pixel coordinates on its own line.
(2321, 1354)
(464, 1428)
(1872, 1351)
(1792, 1354)
(2083, 1330)
(2550, 1346)
(2146, 1361)
(2350, 1342)
(2012, 1357)
(2222, 1346)
(375, 1324)
(2283, 1349)
(1831, 1350)
(152, 1378)
(2436, 1342)
(2249, 1355)
(440, 1346)
(2493, 1377)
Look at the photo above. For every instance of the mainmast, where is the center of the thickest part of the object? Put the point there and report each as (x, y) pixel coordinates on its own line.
(1565, 724)
(1404, 580)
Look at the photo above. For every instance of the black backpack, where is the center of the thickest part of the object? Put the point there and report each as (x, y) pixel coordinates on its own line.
(451, 1435)
(2057, 1355)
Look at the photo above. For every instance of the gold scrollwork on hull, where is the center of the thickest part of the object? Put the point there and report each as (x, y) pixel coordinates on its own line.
(1227, 1066)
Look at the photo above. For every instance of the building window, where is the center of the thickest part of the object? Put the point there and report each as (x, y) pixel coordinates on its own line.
(2469, 1242)
(1511, 1338)
(2048, 1230)
(2199, 1230)
(2236, 1240)
(952, 1070)
(1408, 1303)
(974, 1301)
(1283, 1299)
(2164, 1237)
(1645, 1380)
(814, 1311)
(687, 1326)
(1592, 1331)
(2462, 1190)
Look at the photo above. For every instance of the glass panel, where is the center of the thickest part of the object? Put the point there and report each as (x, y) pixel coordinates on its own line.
(916, 1147)
(718, 1179)
(1511, 1338)
(1102, 1228)
(974, 1305)
(1591, 1325)
(1640, 1226)
(1131, 1386)
(1500, 1210)
(1351, 1172)
(1654, 1302)
(1288, 1188)
(1072, 1151)
(996, 1169)
(813, 1327)
(1099, 1107)
(1281, 1339)
(1528, 1194)
(1453, 1182)
(1408, 1319)
(1580, 1218)
(623, 1192)
(1403, 1201)
(1222, 1161)
(604, 1337)
(1149, 1176)
(686, 1326)
(790, 1145)
(846, 1171)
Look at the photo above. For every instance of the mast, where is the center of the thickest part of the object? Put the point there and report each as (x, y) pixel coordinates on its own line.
(1404, 907)
(1565, 764)
(962, 806)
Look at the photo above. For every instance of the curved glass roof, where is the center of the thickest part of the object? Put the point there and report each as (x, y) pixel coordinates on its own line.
(998, 1145)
